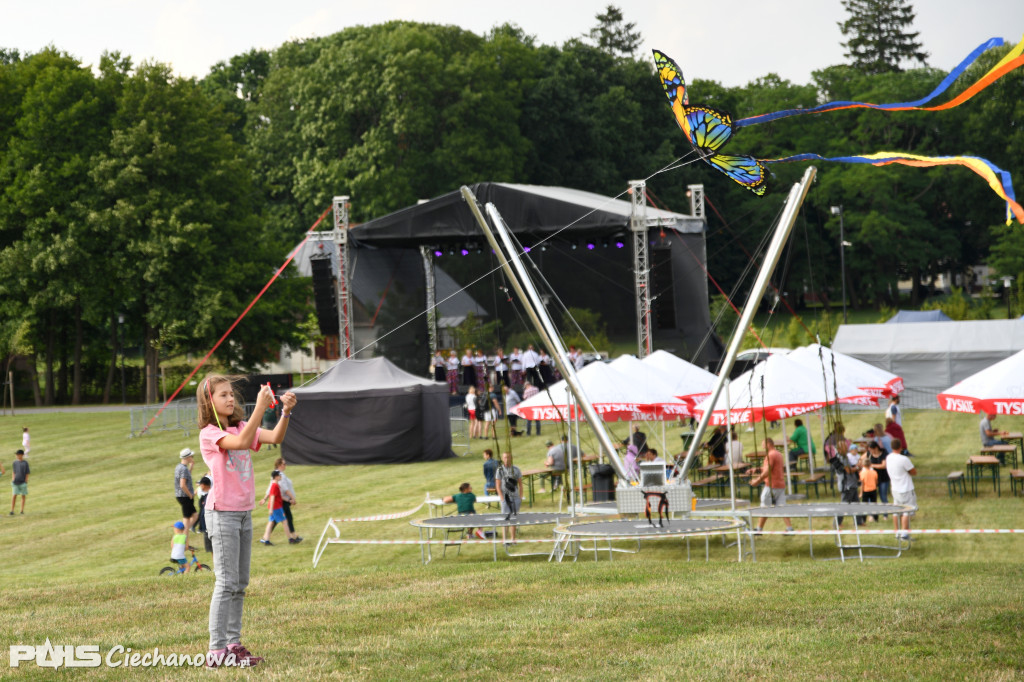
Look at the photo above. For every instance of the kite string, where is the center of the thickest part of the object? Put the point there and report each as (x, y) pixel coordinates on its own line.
(234, 324)
(670, 166)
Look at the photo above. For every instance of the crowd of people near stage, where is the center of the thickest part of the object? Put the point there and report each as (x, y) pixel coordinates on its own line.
(498, 368)
(495, 383)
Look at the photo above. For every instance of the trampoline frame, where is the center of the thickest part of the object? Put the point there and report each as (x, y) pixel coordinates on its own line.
(493, 521)
(569, 541)
(835, 511)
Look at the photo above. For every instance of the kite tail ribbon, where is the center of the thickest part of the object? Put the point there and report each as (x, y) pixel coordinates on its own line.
(1011, 61)
(998, 179)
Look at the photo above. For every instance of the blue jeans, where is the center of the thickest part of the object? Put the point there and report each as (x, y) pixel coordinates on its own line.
(231, 535)
(883, 491)
(530, 424)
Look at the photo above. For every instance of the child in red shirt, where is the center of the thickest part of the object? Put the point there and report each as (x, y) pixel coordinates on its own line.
(275, 504)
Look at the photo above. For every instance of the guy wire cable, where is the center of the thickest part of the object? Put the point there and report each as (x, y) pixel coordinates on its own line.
(671, 166)
(550, 290)
(674, 165)
(740, 242)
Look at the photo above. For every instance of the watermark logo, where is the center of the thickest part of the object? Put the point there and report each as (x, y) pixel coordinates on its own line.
(58, 656)
(50, 656)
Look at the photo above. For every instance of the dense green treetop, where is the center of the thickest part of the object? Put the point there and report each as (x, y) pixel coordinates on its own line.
(127, 191)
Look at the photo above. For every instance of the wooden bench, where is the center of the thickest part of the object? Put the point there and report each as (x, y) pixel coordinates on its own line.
(814, 479)
(576, 489)
(1017, 480)
(704, 483)
(955, 481)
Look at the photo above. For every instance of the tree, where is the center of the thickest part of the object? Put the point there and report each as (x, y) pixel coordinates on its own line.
(58, 121)
(177, 209)
(584, 329)
(613, 35)
(879, 35)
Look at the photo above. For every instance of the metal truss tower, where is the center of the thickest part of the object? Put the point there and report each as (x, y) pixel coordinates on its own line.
(341, 224)
(696, 194)
(641, 265)
(431, 286)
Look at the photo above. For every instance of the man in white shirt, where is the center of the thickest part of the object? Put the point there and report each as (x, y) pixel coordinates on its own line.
(901, 472)
(531, 362)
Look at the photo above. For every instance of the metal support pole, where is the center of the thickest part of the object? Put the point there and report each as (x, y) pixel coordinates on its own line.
(838, 210)
(554, 342)
(842, 260)
(728, 448)
(120, 330)
(541, 321)
(641, 265)
(771, 259)
(343, 289)
(431, 287)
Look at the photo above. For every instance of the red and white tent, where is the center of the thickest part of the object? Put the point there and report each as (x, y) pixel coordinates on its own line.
(688, 382)
(873, 380)
(658, 383)
(776, 389)
(779, 388)
(614, 395)
(998, 389)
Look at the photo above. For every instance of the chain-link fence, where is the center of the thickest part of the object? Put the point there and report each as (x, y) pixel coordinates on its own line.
(460, 430)
(180, 415)
(910, 399)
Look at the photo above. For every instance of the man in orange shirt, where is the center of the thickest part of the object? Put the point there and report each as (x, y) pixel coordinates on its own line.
(773, 475)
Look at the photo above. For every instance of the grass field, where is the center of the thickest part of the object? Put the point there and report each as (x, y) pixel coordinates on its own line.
(81, 568)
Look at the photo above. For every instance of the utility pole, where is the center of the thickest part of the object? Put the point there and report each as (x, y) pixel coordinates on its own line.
(838, 210)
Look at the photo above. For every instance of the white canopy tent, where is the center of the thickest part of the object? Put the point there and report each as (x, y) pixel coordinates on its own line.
(689, 383)
(874, 380)
(931, 356)
(665, 383)
(776, 389)
(998, 389)
(615, 396)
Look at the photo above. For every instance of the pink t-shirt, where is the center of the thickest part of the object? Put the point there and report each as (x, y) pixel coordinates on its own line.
(231, 470)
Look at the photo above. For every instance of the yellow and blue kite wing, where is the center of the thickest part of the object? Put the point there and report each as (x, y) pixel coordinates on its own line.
(746, 170)
(706, 128)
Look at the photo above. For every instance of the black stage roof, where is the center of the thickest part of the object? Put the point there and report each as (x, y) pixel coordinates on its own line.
(527, 209)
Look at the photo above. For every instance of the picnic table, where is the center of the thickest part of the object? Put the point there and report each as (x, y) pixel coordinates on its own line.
(528, 477)
(975, 469)
(1017, 440)
(437, 504)
(530, 474)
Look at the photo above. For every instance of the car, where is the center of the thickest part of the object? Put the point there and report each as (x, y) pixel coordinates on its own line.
(746, 359)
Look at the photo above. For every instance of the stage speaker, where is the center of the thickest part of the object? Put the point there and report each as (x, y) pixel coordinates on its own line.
(663, 307)
(324, 296)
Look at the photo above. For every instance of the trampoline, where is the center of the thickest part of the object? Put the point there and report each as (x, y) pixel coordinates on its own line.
(568, 537)
(494, 521)
(836, 511)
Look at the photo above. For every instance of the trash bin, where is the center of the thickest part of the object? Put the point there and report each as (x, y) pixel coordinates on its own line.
(602, 477)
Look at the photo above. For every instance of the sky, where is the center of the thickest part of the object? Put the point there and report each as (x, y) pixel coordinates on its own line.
(732, 43)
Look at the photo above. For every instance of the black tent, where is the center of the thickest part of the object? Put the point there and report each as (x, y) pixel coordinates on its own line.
(369, 412)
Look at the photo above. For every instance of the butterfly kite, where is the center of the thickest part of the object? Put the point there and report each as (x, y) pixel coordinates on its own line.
(708, 129)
